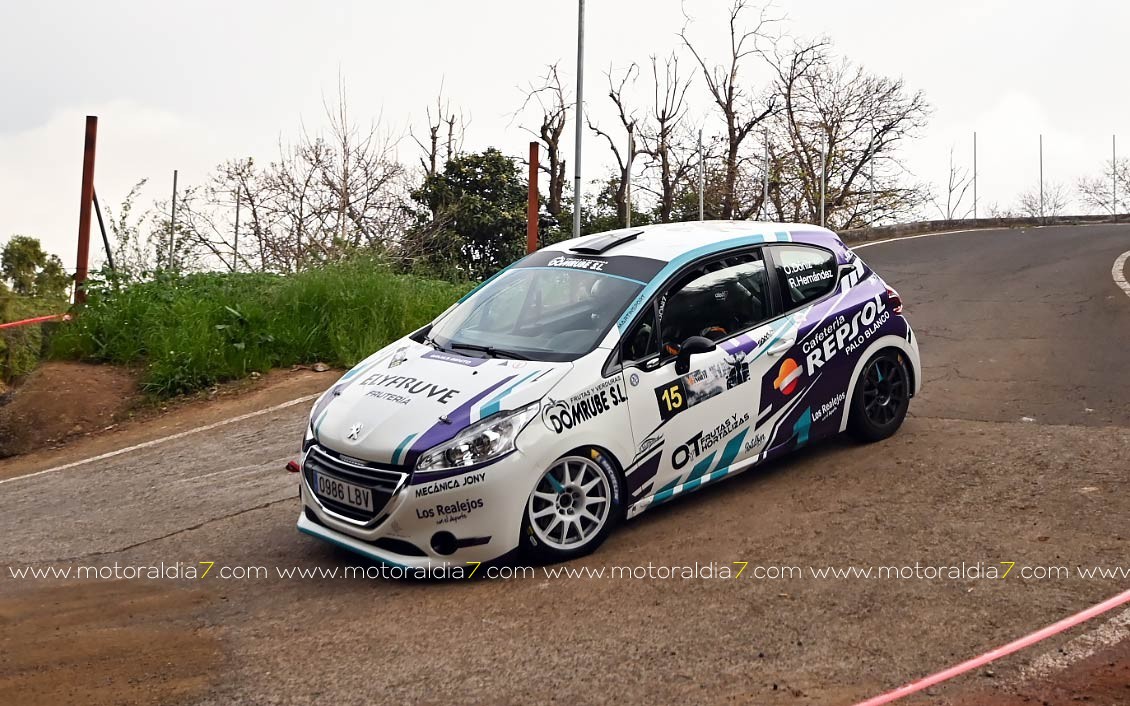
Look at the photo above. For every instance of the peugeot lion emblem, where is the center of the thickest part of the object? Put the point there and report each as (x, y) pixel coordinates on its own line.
(355, 431)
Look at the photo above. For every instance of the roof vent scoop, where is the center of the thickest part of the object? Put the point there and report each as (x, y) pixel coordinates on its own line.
(606, 242)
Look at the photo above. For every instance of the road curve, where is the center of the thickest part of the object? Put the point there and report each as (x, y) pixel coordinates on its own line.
(1017, 323)
(1016, 451)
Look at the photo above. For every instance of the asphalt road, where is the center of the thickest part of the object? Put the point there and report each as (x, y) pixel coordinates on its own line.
(1016, 451)
(1017, 323)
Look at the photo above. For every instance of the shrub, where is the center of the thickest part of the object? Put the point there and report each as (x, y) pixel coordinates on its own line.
(196, 330)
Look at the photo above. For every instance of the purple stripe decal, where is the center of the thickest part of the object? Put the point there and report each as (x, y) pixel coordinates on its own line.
(458, 420)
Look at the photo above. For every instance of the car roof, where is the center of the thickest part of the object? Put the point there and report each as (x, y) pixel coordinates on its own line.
(674, 241)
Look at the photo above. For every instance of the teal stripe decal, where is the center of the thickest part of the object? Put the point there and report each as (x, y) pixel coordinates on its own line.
(403, 445)
(496, 404)
(731, 451)
(361, 367)
(355, 550)
(725, 468)
(699, 468)
(318, 424)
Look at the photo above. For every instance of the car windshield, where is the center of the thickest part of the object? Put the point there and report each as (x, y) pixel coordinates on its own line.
(540, 313)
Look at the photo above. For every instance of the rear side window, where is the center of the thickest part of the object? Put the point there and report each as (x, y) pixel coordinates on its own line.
(805, 274)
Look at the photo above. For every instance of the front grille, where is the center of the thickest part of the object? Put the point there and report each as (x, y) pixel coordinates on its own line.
(382, 482)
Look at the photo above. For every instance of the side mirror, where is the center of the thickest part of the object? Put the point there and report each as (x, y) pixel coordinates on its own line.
(692, 346)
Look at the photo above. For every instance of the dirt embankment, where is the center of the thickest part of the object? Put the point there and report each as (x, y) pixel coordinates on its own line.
(62, 400)
(74, 403)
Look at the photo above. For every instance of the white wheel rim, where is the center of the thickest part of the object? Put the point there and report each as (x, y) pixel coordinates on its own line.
(570, 504)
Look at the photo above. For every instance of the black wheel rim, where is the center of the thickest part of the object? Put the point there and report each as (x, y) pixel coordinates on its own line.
(884, 391)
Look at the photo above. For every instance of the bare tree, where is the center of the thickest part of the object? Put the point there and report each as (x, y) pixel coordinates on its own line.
(664, 137)
(359, 180)
(1096, 192)
(630, 150)
(134, 253)
(294, 205)
(446, 130)
(957, 185)
(553, 108)
(741, 110)
(1054, 202)
(326, 195)
(840, 124)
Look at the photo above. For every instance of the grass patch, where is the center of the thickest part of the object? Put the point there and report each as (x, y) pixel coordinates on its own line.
(197, 330)
(21, 348)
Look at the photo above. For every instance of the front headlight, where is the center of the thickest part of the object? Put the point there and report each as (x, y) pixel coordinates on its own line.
(480, 442)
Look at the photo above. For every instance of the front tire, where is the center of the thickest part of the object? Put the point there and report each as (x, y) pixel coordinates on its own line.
(881, 398)
(573, 507)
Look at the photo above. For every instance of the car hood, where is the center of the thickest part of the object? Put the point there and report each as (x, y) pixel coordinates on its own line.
(409, 397)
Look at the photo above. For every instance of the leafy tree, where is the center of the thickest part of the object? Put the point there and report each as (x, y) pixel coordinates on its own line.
(31, 271)
(476, 220)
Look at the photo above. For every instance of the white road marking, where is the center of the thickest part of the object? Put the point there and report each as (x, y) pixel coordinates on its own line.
(1078, 649)
(1118, 272)
(925, 235)
(162, 440)
(974, 230)
(237, 471)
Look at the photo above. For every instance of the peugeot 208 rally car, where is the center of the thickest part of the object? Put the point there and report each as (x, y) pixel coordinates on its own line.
(599, 377)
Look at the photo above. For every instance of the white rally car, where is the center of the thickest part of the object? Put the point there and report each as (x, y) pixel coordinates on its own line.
(599, 377)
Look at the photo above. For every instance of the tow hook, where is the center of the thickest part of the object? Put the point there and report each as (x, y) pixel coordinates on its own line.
(292, 466)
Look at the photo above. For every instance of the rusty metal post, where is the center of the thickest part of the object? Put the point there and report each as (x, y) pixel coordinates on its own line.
(86, 203)
(532, 202)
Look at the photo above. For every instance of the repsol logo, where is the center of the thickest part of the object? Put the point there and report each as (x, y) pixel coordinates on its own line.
(412, 386)
(849, 334)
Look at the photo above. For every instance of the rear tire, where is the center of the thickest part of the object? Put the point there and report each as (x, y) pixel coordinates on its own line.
(574, 506)
(881, 397)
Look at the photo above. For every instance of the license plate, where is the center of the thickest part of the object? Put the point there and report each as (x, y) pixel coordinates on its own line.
(345, 493)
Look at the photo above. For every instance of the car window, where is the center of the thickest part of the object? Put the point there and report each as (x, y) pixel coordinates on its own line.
(717, 300)
(805, 274)
(538, 313)
(642, 340)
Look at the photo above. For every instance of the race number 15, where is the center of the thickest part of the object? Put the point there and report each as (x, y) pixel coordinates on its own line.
(672, 398)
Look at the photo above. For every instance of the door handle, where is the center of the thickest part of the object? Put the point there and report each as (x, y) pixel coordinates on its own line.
(781, 346)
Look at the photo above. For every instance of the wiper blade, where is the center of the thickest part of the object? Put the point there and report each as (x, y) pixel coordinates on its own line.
(489, 350)
(428, 340)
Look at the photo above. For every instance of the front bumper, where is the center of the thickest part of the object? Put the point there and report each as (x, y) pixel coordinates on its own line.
(475, 516)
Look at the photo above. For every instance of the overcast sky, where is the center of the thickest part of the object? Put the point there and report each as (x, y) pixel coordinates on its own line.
(188, 85)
